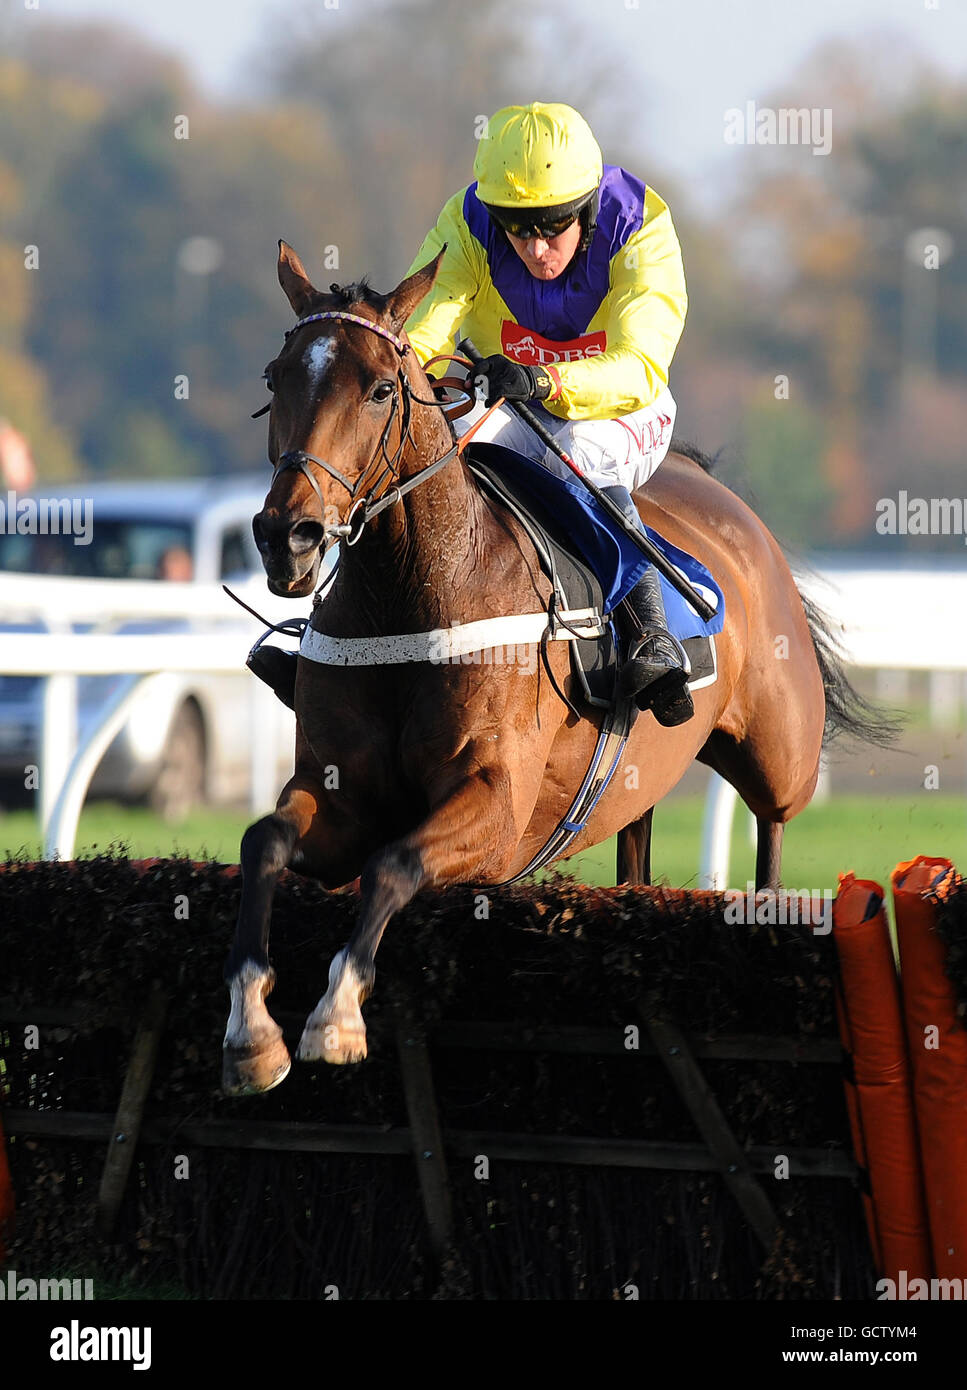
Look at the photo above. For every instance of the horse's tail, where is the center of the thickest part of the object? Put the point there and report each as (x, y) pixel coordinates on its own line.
(849, 715)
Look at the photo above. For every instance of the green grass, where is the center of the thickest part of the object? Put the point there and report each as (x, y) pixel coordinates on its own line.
(866, 834)
(207, 833)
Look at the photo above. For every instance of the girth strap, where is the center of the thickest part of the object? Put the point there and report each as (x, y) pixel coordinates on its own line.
(442, 645)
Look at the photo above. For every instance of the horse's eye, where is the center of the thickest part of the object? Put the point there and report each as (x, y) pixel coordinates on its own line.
(382, 391)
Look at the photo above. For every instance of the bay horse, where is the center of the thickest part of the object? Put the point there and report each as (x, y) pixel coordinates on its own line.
(434, 773)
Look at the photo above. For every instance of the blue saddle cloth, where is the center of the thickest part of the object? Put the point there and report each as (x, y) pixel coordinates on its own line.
(616, 561)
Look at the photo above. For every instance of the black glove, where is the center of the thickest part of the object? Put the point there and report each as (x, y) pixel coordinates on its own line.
(501, 377)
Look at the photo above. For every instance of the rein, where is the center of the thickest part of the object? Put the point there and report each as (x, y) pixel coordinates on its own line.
(364, 508)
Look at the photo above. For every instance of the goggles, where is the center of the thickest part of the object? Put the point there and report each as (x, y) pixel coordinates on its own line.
(542, 223)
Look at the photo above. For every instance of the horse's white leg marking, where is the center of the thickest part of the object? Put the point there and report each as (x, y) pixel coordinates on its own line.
(247, 994)
(256, 1058)
(335, 1031)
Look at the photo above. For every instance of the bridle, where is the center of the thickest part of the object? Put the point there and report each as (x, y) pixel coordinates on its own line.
(363, 507)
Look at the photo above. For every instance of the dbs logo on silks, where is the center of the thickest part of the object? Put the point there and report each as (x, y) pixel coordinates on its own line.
(528, 348)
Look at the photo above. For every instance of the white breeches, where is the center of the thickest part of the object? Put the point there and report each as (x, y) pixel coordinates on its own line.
(612, 453)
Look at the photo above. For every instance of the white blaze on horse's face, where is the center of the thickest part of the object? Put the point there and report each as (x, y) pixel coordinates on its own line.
(316, 360)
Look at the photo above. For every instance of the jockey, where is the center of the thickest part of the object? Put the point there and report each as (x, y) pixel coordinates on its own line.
(568, 276)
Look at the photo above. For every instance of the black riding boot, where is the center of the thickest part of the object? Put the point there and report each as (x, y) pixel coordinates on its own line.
(277, 669)
(653, 671)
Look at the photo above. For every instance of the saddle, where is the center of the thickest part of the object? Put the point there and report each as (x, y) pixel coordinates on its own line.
(594, 661)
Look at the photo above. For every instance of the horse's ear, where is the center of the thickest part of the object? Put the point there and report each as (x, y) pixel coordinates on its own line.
(407, 295)
(293, 278)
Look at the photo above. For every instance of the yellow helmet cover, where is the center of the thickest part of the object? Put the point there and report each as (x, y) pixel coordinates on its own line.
(537, 156)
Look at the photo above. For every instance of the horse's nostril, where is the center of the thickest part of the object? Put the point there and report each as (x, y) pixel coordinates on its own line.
(305, 535)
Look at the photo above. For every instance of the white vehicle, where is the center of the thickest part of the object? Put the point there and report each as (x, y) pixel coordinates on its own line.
(187, 739)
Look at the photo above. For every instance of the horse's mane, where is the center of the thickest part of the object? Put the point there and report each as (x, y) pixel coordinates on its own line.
(697, 455)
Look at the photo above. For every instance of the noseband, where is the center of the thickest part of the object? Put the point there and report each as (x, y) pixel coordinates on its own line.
(363, 508)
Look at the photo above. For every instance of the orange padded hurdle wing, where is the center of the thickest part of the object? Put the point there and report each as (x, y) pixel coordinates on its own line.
(856, 1125)
(882, 1079)
(937, 1041)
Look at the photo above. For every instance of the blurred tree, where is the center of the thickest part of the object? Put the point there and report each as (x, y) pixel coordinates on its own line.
(255, 176)
(781, 473)
(831, 310)
(26, 398)
(149, 358)
(103, 318)
(404, 100)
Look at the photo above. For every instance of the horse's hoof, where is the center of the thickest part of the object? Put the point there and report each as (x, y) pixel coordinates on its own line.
(245, 1073)
(334, 1044)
